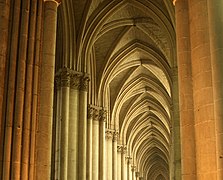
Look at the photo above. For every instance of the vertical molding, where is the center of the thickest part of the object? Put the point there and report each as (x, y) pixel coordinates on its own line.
(36, 88)
(20, 91)
(65, 92)
(123, 161)
(13, 49)
(95, 145)
(102, 144)
(109, 155)
(175, 171)
(44, 124)
(73, 126)
(4, 33)
(57, 128)
(114, 155)
(119, 161)
(89, 142)
(83, 128)
(28, 92)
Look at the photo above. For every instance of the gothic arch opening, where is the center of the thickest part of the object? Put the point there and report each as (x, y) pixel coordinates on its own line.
(128, 50)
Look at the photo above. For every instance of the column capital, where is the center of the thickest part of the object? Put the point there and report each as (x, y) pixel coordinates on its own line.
(174, 2)
(65, 74)
(102, 115)
(119, 148)
(137, 174)
(75, 80)
(95, 114)
(62, 77)
(133, 168)
(84, 82)
(90, 111)
(115, 136)
(124, 149)
(108, 134)
(56, 1)
(128, 159)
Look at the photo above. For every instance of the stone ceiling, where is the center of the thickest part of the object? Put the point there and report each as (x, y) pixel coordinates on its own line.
(128, 47)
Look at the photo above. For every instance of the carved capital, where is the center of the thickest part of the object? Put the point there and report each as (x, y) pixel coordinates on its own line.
(128, 159)
(124, 149)
(108, 134)
(75, 80)
(119, 148)
(137, 174)
(90, 112)
(133, 168)
(103, 115)
(115, 136)
(62, 78)
(84, 83)
(96, 114)
(65, 77)
(57, 81)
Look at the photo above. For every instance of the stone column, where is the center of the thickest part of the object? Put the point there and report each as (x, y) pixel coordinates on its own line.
(205, 130)
(109, 136)
(57, 127)
(102, 151)
(175, 129)
(10, 102)
(137, 174)
(27, 117)
(188, 153)
(95, 145)
(123, 161)
(119, 162)
(129, 170)
(19, 106)
(82, 151)
(35, 95)
(216, 45)
(73, 125)
(114, 155)
(65, 90)
(44, 125)
(133, 168)
(4, 24)
(89, 142)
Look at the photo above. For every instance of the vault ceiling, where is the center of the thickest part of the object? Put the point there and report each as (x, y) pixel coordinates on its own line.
(130, 44)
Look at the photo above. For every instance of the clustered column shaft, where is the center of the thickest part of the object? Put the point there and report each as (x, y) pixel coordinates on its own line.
(20, 56)
(109, 136)
(44, 125)
(95, 154)
(71, 89)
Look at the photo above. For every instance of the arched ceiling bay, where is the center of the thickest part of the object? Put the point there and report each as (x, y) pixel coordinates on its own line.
(130, 44)
(133, 58)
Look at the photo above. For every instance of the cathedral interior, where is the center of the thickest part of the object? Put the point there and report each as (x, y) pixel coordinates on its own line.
(111, 90)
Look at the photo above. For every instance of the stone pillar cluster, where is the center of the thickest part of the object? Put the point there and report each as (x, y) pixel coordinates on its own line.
(199, 54)
(95, 139)
(70, 125)
(48, 130)
(27, 30)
